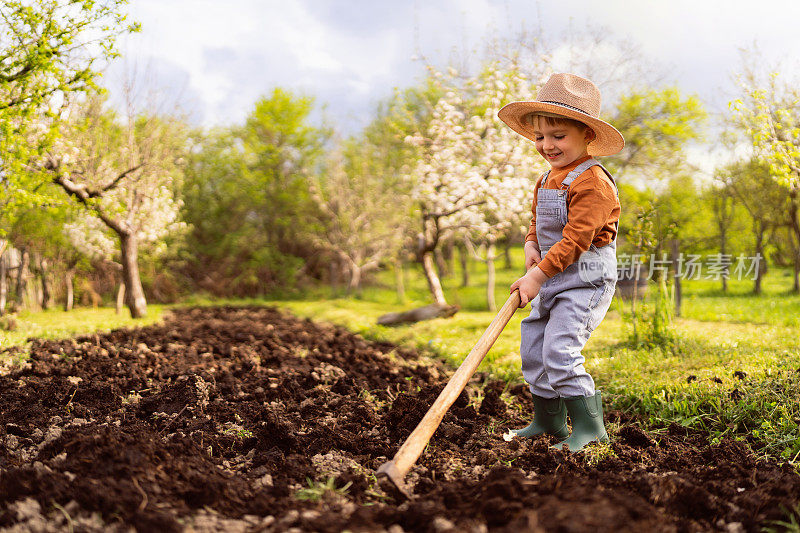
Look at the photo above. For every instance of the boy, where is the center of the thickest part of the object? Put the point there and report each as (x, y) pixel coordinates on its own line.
(570, 255)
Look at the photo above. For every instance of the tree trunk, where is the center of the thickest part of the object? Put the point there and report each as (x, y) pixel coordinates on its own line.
(490, 257)
(35, 293)
(69, 277)
(333, 275)
(355, 279)
(796, 284)
(34, 286)
(759, 252)
(344, 274)
(676, 276)
(795, 223)
(21, 279)
(463, 257)
(3, 283)
(448, 253)
(723, 241)
(46, 292)
(399, 276)
(441, 264)
(120, 297)
(434, 284)
(134, 296)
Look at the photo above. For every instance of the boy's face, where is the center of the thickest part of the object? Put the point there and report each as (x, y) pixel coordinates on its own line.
(561, 144)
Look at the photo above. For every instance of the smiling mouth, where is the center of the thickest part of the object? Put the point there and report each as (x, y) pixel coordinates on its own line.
(553, 156)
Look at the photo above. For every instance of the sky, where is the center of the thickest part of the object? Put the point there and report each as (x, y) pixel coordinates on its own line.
(216, 57)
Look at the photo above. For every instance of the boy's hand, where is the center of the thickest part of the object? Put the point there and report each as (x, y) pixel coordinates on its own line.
(529, 285)
(532, 255)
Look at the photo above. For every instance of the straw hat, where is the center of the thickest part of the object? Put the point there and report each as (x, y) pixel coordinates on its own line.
(572, 97)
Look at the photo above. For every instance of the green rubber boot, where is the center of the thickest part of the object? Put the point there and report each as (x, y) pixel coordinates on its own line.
(586, 414)
(549, 416)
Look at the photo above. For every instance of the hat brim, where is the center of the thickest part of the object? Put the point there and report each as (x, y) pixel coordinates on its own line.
(608, 140)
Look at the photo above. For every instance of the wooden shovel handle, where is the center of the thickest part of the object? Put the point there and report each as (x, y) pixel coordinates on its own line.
(412, 448)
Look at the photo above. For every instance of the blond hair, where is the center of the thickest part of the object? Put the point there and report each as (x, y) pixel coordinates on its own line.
(552, 119)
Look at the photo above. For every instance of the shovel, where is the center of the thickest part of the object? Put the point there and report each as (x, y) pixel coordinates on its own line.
(395, 470)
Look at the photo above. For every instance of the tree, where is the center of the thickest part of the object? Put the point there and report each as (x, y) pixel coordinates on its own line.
(49, 51)
(498, 154)
(216, 204)
(36, 234)
(473, 171)
(362, 214)
(400, 116)
(125, 173)
(281, 150)
(247, 198)
(764, 199)
(724, 208)
(768, 113)
(55, 246)
(656, 124)
(732, 220)
(681, 225)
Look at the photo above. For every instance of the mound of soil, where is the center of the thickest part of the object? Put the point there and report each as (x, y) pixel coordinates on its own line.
(247, 419)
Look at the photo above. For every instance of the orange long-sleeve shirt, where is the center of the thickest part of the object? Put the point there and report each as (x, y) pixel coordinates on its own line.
(593, 213)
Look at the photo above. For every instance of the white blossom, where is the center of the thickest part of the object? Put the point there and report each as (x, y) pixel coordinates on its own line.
(91, 237)
(474, 168)
(133, 175)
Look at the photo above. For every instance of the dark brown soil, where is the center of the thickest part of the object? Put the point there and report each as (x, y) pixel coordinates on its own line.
(236, 418)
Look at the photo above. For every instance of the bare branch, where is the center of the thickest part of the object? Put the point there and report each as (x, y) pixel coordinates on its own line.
(79, 191)
(456, 209)
(119, 178)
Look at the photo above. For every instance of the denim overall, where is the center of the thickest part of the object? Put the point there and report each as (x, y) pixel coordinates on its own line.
(569, 305)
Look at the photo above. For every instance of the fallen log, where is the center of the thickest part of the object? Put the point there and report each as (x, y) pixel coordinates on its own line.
(417, 315)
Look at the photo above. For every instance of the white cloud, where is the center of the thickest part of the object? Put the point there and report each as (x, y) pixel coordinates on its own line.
(279, 43)
(351, 53)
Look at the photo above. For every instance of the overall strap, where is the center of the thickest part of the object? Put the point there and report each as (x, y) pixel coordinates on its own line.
(583, 167)
(544, 179)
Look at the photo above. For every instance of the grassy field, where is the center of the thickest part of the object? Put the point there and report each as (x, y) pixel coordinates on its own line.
(56, 324)
(732, 369)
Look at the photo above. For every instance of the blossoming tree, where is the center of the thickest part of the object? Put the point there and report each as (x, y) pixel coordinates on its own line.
(474, 176)
(124, 173)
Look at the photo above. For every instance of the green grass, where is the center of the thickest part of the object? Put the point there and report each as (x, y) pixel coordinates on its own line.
(704, 300)
(737, 380)
(317, 490)
(718, 335)
(57, 324)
